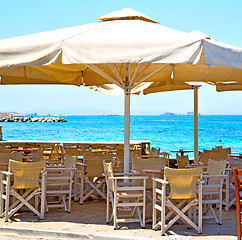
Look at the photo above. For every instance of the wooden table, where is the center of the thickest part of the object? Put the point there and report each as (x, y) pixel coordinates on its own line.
(153, 171)
(4, 164)
(181, 151)
(101, 150)
(24, 150)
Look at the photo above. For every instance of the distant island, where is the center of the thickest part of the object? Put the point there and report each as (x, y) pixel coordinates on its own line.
(10, 114)
(175, 114)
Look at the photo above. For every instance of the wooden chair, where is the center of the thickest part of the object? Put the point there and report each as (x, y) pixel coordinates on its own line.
(36, 154)
(60, 184)
(54, 155)
(154, 152)
(139, 164)
(182, 197)
(238, 188)
(215, 154)
(4, 159)
(26, 177)
(212, 189)
(182, 161)
(91, 175)
(5, 150)
(230, 183)
(127, 195)
(118, 161)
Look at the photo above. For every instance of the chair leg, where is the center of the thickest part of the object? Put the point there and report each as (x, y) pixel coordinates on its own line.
(82, 189)
(70, 189)
(1, 193)
(227, 192)
(153, 206)
(115, 210)
(7, 198)
(75, 187)
(43, 196)
(107, 209)
(144, 200)
(200, 207)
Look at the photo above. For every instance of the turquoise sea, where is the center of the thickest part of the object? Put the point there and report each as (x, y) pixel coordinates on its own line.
(167, 132)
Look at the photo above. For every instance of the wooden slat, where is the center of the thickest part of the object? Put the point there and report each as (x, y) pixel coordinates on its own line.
(130, 204)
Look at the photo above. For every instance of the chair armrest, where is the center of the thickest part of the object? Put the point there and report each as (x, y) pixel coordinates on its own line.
(160, 180)
(208, 176)
(129, 178)
(6, 173)
(124, 174)
(59, 169)
(81, 164)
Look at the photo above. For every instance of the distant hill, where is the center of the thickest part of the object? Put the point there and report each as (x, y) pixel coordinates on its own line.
(10, 114)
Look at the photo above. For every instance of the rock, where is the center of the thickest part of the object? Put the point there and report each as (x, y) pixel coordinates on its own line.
(32, 119)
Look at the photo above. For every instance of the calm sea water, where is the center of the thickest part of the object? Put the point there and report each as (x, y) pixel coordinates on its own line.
(166, 132)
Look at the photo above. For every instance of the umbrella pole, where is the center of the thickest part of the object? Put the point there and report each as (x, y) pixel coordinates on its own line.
(195, 124)
(126, 130)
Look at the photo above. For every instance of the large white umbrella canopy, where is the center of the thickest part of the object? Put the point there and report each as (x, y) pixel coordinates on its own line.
(125, 48)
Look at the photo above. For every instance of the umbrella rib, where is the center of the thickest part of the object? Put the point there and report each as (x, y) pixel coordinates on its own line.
(127, 75)
(142, 73)
(136, 72)
(116, 73)
(151, 74)
(103, 74)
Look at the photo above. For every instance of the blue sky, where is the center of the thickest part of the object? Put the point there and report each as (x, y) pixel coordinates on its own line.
(221, 20)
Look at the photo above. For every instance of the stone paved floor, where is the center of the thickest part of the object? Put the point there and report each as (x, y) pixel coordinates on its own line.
(90, 218)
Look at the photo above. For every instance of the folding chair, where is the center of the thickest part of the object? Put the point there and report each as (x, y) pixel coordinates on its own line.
(230, 183)
(139, 164)
(56, 155)
(60, 184)
(36, 154)
(118, 161)
(154, 152)
(4, 159)
(92, 179)
(127, 195)
(182, 197)
(25, 176)
(182, 161)
(213, 189)
(215, 154)
(238, 188)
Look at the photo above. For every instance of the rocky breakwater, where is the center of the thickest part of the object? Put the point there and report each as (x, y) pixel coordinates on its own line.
(32, 119)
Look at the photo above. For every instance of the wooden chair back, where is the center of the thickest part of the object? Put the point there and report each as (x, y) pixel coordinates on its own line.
(139, 164)
(182, 161)
(94, 164)
(26, 175)
(183, 182)
(4, 159)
